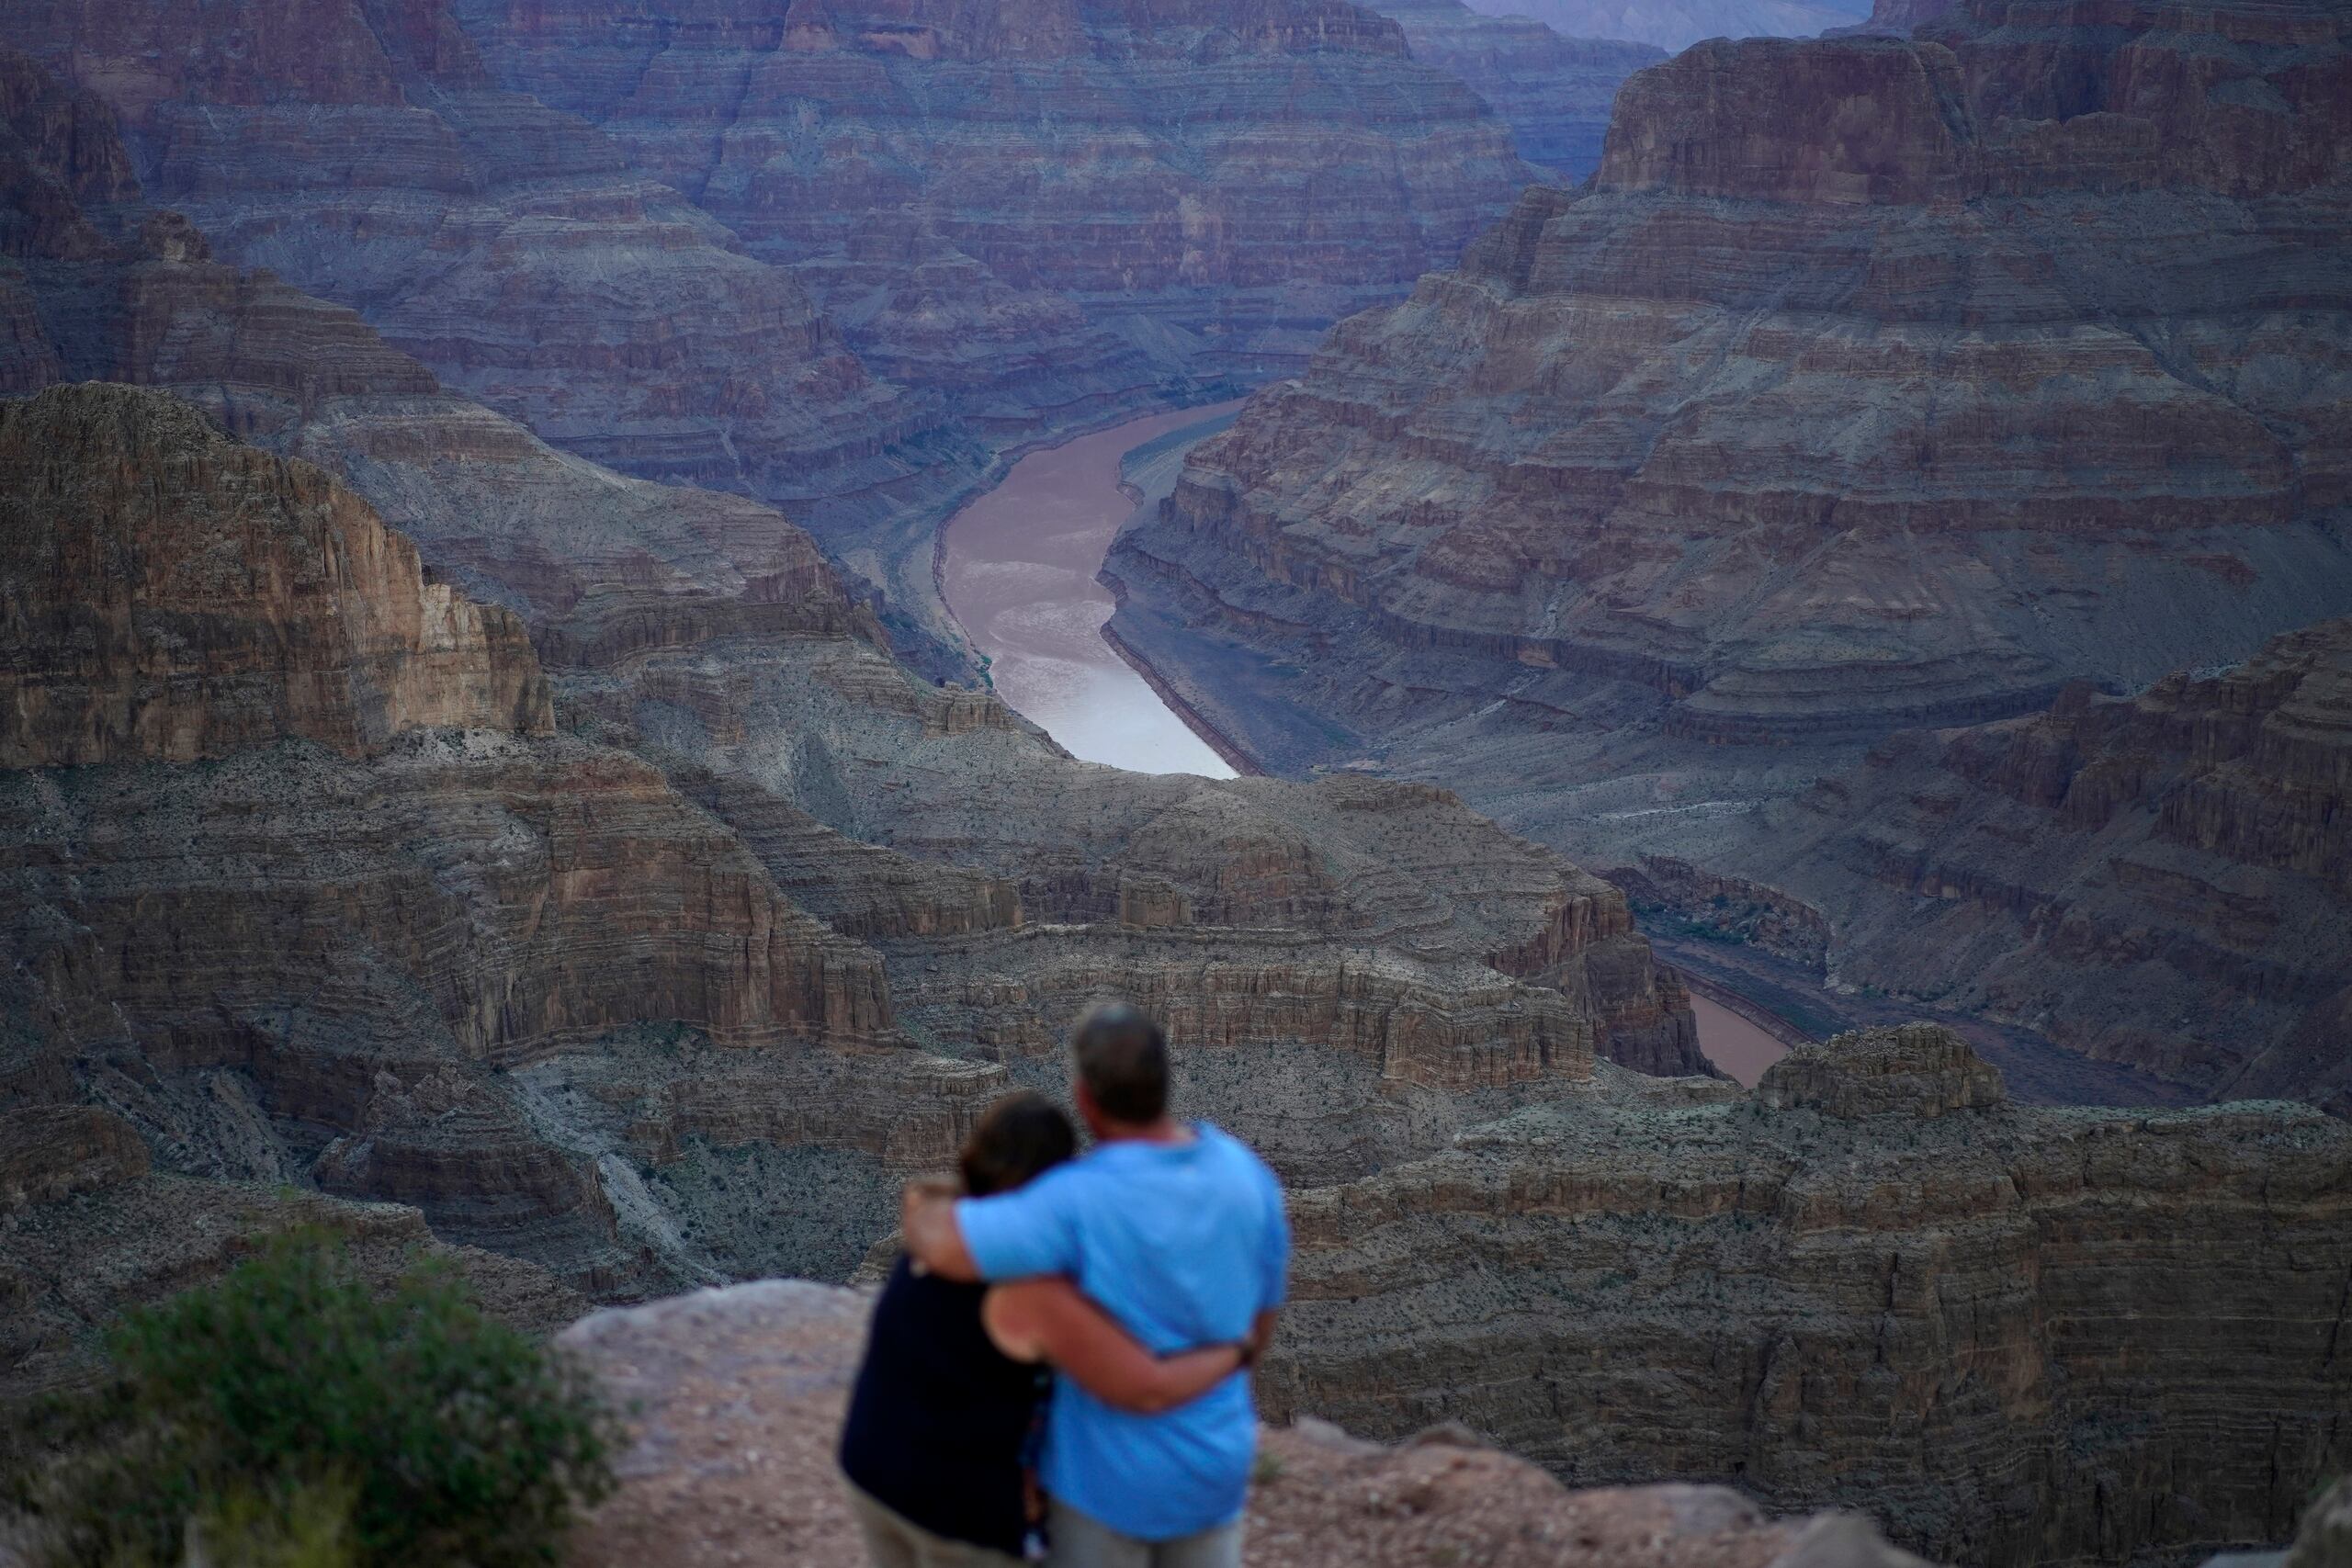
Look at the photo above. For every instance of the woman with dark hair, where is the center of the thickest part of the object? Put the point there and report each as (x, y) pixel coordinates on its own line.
(949, 1398)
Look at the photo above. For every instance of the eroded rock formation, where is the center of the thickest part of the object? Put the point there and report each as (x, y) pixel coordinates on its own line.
(2015, 1334)
(230, 598)
(1870, 384)
(362, 150)
(2164, 880)
(671, 994)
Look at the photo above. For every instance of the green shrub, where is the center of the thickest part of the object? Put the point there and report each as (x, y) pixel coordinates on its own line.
(290, 1416)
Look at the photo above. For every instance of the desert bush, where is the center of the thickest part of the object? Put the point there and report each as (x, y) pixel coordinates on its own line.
(291, 1416)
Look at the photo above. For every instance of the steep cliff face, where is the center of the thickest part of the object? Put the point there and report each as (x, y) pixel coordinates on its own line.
(1871, 383)
(1038, 205)
(2024, 1335)
(644, 233)
(636, 1001)
(232, 599)
(361, 150)
(1553, 91)
(2164, 880)
(313, 955)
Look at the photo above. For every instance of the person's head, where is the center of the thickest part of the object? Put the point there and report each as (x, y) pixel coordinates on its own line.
(1121, 1069)
(1019, 1138)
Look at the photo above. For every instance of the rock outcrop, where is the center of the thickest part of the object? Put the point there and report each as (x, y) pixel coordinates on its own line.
(2013, 1334)
(2164, 880)
(675, 993)
(741, 1393)
(231, 598)
(117, 1238)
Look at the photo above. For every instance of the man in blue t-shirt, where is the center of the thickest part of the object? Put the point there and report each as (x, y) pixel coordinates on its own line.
(1177, 1231)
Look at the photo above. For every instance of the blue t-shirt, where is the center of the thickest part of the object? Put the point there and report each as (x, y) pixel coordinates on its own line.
(1184, 1244)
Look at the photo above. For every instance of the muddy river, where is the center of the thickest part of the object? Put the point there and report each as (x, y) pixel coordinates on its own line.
(1733, 1043)
(1019, 573)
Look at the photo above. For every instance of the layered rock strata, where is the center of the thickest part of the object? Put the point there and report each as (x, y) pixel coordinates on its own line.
(2022, 1335)
(1675, 25)
(234, 598)
(837, 259)
(1869, 383)
(740, 1392)
(117, 1236)
(639, 999)
(2164, 880)
(1036, 205)
(362, 150)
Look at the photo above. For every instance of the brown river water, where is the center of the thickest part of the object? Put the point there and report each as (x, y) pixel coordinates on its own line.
(1733, 1043)
(1019, 573)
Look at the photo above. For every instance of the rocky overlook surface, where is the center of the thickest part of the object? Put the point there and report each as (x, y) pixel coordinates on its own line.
(2020, 1334)
(1872, 384)
(742, 1391)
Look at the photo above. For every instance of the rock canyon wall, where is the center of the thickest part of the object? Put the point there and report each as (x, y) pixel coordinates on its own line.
(836, 260)
(2161, 880)
(331, 901)
(1872, 384)
(2023, 1335)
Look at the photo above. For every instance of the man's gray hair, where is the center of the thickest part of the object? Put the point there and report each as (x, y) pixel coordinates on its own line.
(1123, 1061)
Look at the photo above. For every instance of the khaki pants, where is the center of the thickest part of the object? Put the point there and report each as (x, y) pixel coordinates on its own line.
(894, 1541)
(1082, 1541)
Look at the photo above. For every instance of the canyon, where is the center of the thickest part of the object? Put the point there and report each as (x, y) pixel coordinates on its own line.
(1889, 523)
(842, 262)
(1794, 430)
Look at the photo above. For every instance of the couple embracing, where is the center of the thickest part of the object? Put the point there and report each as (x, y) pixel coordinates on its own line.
(1059, 1364)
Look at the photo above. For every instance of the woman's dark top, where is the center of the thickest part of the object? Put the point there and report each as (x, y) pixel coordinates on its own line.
(940, 1416)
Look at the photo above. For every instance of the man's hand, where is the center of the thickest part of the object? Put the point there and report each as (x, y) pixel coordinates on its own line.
(927, 1216)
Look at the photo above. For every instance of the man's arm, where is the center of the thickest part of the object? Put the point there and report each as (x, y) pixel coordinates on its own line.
(1262, 1336)
(927, 1216)
(1048, 1320)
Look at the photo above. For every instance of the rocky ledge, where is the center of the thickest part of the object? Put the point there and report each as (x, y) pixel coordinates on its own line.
(741, 1392)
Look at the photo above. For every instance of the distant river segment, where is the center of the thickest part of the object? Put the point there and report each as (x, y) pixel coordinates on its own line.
(1733, 1043)
(1019, 574)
